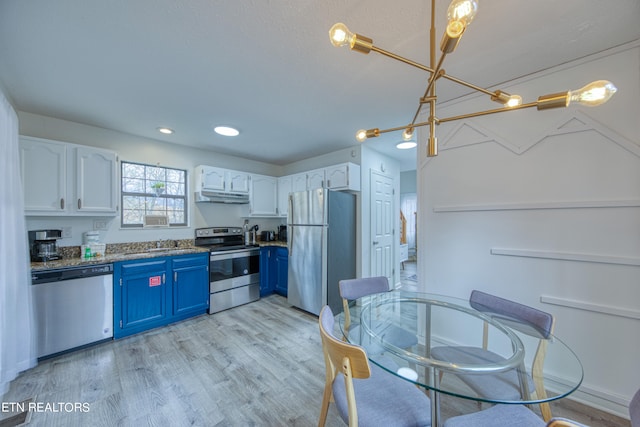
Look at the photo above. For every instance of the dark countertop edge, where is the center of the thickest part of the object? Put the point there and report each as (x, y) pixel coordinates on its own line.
(272, 243)
(111, 258)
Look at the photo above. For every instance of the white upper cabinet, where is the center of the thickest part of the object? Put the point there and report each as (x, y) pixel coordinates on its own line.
(67, 179)
(285, 185)
(315, 179)
(43, 166)
(95, 181)
(211, 178)
(238, 182)
(299, 182)
(264, 195)
(345, 176)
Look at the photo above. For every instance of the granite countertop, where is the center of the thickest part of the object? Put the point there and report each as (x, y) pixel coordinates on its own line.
(272, 243)
(115, 257)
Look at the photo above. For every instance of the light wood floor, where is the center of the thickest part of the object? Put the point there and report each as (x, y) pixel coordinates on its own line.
(259, 364)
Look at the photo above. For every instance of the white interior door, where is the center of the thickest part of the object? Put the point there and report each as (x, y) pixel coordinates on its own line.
(382, 219)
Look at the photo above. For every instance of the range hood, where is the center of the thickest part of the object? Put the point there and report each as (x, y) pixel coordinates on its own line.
(205, 196)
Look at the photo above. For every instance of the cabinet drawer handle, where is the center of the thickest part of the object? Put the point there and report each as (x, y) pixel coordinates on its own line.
(175, 276)
(79, 203)
(164, 278)
(62, 203)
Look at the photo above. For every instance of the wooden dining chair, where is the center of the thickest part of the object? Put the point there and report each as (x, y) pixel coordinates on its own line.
(351, 290)
(505, 385)
(365, 394)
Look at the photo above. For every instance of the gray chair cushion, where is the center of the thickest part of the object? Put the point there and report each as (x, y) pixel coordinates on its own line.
(384, 400)
(521, 317)
(504, 385)
(498, 416)
(353, 289)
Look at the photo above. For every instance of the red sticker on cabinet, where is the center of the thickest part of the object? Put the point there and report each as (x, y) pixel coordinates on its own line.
(155, 281)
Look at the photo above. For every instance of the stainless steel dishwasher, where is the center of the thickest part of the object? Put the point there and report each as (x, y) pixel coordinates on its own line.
(73, 307)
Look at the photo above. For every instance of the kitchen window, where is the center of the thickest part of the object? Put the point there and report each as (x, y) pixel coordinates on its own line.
(153, 190)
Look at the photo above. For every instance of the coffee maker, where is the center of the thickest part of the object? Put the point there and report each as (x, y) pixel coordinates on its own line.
(282, 233)
(43, 246)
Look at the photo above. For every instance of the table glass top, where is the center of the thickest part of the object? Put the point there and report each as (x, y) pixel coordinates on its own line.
(412, 335)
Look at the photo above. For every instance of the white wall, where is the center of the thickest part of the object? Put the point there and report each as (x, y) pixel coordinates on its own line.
(137, 149)
(544, 208)
(408, 182)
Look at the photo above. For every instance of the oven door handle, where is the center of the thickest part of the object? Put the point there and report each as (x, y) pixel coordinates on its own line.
(242, 253)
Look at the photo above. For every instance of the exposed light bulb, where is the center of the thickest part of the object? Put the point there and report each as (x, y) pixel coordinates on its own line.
(463, 11)
(506, 99)
(514, 101)
(593, 94)
(361, 135)
(340, 35)
(407, 134)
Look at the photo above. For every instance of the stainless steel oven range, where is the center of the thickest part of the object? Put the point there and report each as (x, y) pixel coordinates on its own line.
(234, 268)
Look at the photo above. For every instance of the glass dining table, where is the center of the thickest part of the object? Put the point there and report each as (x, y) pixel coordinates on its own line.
(440, 321)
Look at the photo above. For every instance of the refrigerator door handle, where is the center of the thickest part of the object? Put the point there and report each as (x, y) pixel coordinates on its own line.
(289, 228)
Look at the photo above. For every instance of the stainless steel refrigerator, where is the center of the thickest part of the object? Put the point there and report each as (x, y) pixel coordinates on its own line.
(321, 238)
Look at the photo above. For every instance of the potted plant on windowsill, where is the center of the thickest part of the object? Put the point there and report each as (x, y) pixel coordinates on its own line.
(158, 188)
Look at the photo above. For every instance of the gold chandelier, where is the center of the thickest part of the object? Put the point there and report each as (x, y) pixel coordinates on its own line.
(460, 14)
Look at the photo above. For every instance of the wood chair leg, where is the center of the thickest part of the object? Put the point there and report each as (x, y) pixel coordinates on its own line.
(324, 409)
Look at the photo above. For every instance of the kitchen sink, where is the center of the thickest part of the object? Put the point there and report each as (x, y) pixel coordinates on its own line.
(172, 250)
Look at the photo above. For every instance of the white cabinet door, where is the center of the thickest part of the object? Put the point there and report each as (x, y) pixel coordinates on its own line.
(315, 179)
(345, 176)
(212, 179)
(299, 182)
(43, 168)
(285, 185)
(264, 191)
(237, 182)
(68, 179)
(96, 180)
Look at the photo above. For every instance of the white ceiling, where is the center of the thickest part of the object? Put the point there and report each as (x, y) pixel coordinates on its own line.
(267, 67)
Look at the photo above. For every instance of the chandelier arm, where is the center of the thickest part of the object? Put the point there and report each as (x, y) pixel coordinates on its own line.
(430, 86)
(460, 117)
(487, 112)
(431, 70)
(402, 59)
(467, 84)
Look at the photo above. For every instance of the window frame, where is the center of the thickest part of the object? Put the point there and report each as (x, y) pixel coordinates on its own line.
(144, 196)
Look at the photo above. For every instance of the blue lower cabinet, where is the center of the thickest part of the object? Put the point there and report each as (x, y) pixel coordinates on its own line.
(282, 271)
(157, 291)
(274, 264)
(190, 296)
(266, 287)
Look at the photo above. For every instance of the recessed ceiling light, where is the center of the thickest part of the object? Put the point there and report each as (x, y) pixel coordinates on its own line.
(405, 145)
(226, 131)
(166, 131)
